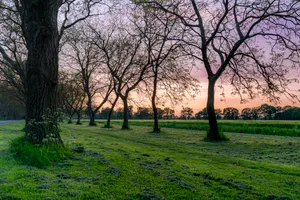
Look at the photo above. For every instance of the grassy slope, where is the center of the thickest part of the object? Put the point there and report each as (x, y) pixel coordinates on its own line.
(272, 127)
(137, 164)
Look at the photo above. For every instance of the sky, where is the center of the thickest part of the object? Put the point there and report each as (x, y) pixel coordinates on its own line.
(230, 101)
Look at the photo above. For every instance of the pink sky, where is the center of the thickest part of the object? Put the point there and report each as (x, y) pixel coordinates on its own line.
(231, 101)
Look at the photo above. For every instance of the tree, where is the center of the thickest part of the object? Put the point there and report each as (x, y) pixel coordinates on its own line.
(158, 29)
(246, 113)
(143, 113)
(39, 26)
(126, 59)
(83, 56)
(186, 112)
(202, 114)
(267, 111)
(168, 113)
(13, 52)
(231, 113)
(251, 44)
(113, 104)
(218, 113)
(71, 95)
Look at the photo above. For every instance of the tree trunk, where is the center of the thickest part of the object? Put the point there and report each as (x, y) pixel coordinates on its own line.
(111, 112)
(154, 108)
(70, 119)
(78, 117)
(92, 119)
(39, 19)
(126, 111)
(91, 111)
(213, 132)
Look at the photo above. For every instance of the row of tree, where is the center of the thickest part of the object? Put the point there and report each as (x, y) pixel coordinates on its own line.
(129, 50)
(263, 112)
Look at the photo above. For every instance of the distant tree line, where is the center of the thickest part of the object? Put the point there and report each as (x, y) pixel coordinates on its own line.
(263, 112)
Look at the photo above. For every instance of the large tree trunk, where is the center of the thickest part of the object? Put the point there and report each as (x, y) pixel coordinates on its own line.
(126, 112)
(213, 132)
(111, 111)
(39, 18)
(154, 108)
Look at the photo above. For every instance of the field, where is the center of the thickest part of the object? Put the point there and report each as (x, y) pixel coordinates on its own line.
(283, 128)
(176, 164)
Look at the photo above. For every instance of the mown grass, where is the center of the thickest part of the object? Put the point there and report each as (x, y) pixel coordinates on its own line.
(283, 128)
(138, 164)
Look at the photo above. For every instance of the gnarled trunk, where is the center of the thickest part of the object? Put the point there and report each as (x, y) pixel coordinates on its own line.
(39, 19)
(213, 132)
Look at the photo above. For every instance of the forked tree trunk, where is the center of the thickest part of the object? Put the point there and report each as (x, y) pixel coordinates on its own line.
(39, 19)
(126, 112)
(111, 111)
(213, 132)
(154, 108)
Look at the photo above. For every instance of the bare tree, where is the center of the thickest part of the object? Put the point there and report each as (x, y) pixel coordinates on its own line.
(13, 52)
(71, 95)
(127, 60)
(250, 44)
(83, 57)
(158, 31)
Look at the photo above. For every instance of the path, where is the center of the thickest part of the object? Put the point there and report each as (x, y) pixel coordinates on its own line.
(7, 122)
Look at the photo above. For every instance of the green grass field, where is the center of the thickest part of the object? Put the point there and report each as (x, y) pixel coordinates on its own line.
(138, 164)
(283, 128)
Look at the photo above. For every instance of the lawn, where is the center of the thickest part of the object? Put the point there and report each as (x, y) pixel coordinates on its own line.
(138, 164)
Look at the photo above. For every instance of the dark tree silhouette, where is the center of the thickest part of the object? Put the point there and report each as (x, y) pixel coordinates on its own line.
(251, 44)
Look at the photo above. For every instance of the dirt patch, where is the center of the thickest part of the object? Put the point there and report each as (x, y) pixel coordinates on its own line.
(147, 194)
(116, 171)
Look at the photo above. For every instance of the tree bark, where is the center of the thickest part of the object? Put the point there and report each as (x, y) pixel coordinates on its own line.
(126, 112)
(92, 119)
(78, 117)
(90, 110)
(154, 108)
(213, 132)
(111, 111)
(39, 23)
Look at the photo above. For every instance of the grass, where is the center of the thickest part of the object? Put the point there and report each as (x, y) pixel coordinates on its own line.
(138, 164)
(37, 155)
(283, 128)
